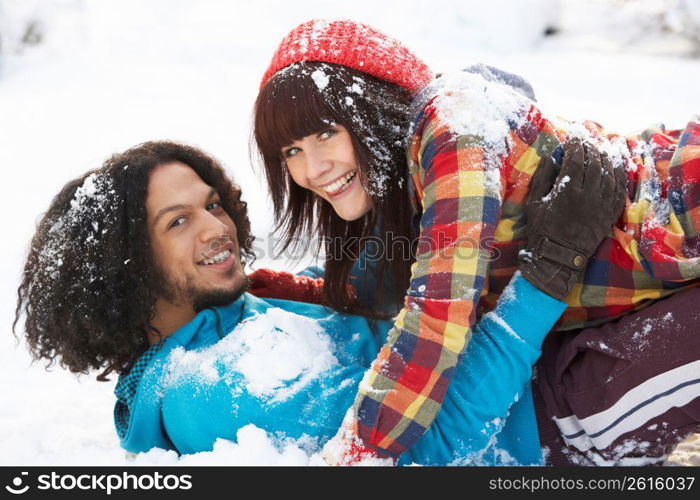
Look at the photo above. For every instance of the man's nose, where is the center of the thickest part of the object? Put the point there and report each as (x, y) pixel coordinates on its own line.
(213, 230)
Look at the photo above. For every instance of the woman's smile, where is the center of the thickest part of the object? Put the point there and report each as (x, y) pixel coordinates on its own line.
(335, 188)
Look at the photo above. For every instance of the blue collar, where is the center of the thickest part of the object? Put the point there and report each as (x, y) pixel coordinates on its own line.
(128, 383)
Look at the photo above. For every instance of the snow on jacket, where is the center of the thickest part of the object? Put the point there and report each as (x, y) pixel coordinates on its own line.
(293, 369)
(475, 147)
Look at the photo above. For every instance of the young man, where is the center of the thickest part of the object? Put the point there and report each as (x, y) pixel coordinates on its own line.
(110, 272)
(137, 268)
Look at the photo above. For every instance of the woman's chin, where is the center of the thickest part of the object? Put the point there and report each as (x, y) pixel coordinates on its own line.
(349, 218)
(354, 212)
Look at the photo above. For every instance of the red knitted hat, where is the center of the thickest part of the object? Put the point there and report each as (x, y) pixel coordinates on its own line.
(354, 45)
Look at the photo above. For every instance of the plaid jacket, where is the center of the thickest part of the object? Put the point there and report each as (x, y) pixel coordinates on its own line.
(472, 226)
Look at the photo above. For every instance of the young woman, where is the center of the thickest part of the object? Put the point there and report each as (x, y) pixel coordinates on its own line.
(362, 146)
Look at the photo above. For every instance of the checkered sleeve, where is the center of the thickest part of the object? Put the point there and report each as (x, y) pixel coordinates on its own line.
(668, 208)
(402, 392)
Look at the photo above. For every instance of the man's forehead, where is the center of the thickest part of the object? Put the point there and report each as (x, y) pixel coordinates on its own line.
(175, 184)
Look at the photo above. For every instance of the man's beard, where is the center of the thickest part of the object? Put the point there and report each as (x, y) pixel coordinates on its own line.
(203, 298)
(189, 293)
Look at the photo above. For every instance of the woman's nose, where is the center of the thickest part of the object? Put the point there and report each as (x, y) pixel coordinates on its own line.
(317, 164)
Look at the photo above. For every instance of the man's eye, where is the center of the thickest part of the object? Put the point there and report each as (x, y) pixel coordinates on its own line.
(327, 133)
(177, 222)
(288, 153)
(214, 205)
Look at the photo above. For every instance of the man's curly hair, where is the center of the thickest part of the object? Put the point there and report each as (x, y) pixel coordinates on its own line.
(90, 283)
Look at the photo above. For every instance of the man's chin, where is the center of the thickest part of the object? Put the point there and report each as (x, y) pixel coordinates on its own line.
(202, 299)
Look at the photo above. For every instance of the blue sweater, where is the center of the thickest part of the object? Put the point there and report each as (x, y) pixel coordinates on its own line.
(196, 386)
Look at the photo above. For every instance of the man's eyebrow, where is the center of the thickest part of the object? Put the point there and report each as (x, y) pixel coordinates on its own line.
(172, 208)
(165, 210)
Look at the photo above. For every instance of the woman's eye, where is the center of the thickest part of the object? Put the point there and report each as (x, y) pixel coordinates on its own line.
(177, 222)
(327, 133)
(288, 153)
(214, 205)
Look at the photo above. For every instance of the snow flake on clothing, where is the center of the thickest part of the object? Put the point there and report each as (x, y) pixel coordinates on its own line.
(471, 106)
(318, 30)
(254, 349)
(351, 44)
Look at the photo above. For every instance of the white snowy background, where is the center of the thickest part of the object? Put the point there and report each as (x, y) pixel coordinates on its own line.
(81, 79)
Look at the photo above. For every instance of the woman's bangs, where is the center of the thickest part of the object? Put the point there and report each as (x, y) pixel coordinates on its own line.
(289, 108)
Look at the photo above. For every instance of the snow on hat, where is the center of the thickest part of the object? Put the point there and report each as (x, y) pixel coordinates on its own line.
(354, 45)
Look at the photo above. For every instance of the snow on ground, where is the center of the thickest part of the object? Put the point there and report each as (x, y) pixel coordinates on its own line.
(110, 74)
(687, 453)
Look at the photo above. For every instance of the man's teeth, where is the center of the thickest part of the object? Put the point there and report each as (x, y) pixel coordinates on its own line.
(340, 183)
(219, 257)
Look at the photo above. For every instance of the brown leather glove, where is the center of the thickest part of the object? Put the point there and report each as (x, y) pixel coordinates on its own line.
(568, 218)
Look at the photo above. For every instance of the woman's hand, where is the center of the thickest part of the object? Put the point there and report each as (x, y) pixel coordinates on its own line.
(568, 218)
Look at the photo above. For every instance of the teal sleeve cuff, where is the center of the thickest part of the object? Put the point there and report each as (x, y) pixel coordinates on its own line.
(312, 272)
(526, 311)
(496, 366)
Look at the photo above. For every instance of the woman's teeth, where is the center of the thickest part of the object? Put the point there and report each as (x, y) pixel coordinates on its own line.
(219, 257)
(341, 184)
